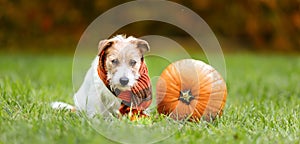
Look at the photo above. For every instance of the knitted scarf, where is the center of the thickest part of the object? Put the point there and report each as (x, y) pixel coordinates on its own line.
(139, 97)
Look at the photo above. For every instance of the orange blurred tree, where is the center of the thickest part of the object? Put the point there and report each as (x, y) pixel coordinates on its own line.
(261, 24)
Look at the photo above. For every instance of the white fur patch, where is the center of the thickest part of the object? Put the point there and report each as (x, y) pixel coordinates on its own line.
(62, 105)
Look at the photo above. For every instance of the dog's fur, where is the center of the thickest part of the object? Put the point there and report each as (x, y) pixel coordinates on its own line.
(122, 61)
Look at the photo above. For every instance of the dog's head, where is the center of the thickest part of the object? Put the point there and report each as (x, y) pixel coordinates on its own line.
(122, 58)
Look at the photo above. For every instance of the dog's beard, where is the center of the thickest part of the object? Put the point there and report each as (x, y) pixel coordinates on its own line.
(119, 87)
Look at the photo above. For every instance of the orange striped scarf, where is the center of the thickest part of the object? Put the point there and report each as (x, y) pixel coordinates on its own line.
(139, 97)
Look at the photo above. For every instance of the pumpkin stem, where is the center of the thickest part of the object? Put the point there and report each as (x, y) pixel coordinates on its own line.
(186, 96)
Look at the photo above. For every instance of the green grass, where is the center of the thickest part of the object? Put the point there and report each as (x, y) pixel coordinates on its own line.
(263, 104)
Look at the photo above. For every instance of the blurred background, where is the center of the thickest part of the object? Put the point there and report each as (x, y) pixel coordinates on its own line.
(49, 26)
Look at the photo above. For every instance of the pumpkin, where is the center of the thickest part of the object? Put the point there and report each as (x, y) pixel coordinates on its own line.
(190, 89)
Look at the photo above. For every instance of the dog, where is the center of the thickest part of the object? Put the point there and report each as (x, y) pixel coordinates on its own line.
(117, 81)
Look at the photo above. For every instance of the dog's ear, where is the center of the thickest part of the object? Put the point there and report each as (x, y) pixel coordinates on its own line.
(104, 45)
(142, 45)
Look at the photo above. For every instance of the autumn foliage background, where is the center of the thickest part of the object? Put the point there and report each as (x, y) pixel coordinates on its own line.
(260, 38)
(53, 26)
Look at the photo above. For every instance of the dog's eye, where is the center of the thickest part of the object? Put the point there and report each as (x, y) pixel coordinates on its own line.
(132, 62)
(115, 61)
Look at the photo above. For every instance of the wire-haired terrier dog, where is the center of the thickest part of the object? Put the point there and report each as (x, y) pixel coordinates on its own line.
(117, 81)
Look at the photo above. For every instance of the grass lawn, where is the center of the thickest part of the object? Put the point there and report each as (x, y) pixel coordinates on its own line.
(263, 103)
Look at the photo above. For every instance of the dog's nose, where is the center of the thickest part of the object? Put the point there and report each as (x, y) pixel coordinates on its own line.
(124, 81)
